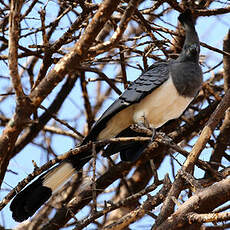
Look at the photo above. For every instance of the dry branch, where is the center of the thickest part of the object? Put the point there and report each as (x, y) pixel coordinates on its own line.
(64, 66)
(204, 201)
(138, 213)
(207, 132)
(14, 32)
(39, 51)
(208, 217)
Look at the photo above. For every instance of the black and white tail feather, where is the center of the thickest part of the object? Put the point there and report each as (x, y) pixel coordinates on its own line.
(29, 200)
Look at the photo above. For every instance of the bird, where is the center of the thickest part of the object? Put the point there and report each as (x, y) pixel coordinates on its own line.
(159, 94)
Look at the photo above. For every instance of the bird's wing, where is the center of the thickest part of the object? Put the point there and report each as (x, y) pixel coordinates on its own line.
(140, 88)
(146, 83)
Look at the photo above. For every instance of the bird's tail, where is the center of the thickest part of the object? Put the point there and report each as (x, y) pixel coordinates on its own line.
(29, 200)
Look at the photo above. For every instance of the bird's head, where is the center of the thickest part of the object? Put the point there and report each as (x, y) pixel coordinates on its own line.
(191, 48)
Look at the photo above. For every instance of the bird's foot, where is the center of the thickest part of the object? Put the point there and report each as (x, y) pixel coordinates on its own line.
(142, 128)
(162, 136)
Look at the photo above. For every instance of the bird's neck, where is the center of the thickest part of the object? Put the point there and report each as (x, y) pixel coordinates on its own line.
(191, 47)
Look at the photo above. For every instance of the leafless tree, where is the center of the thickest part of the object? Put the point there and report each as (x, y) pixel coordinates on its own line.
(56, 50)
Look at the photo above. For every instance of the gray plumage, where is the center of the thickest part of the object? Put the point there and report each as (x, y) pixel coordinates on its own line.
(185, 72)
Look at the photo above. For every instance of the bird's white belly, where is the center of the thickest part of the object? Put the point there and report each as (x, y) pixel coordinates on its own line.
(162, 105)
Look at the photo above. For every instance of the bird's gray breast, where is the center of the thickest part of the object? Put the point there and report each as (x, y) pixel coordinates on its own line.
(187, 78)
